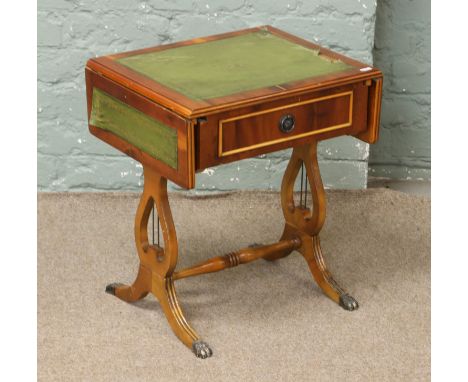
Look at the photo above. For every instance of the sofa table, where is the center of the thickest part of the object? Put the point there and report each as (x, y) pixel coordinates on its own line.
(181, 108)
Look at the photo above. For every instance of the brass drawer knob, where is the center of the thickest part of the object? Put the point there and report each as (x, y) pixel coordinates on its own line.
(286, 123)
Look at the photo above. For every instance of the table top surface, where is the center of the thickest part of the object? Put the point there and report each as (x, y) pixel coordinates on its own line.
(232, 65)
(210, 73)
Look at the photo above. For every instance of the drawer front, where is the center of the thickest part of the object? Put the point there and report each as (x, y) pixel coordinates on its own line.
(266, 127)
(285, 123)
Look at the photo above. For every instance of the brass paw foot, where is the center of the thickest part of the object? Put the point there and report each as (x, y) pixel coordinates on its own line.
(348, 302)
(111, 288)
(201, 349)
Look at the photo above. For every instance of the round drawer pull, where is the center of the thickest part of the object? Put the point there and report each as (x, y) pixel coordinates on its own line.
(286, 123)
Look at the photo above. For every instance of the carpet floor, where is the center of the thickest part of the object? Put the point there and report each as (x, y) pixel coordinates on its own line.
(264, 321)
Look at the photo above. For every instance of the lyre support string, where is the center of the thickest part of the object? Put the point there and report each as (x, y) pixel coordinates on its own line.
(306, 181)
(302, 181)
(152, 225)
(152, 228)
(158, 232)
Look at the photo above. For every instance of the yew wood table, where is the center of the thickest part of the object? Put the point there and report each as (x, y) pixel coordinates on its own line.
(183, 107)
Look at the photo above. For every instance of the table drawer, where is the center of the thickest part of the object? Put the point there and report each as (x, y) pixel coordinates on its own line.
(285, 123)
(252, 130)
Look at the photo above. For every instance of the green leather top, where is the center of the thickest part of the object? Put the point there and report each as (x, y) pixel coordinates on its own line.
(232, 65)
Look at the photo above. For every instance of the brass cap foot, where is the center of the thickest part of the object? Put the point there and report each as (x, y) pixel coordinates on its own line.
(111, 288)
(348, 302)
(201, 349)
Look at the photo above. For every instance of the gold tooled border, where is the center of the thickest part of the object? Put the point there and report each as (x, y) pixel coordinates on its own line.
(222, 153)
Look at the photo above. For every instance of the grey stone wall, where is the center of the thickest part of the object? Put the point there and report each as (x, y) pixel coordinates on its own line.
(403, 52)
(70, 32)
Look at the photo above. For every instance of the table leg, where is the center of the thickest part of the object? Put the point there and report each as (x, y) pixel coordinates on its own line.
(157, 264)
(306, 224)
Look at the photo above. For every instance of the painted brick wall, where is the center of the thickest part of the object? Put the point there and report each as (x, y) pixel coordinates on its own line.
(70, 32)
(403, 52)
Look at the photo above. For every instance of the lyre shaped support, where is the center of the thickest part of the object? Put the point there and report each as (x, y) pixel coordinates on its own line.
(309, 221)
(157, 264)
(306, 224)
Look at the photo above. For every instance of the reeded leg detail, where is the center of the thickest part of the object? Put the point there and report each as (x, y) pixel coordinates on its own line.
(164, 290)
(312, 253)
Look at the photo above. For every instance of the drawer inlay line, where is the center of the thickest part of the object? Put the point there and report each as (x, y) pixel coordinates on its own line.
(223, 153)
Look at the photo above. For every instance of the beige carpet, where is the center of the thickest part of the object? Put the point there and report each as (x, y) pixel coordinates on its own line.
(264, 321)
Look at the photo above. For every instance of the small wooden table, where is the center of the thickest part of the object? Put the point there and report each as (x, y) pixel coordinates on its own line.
(183, 107)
